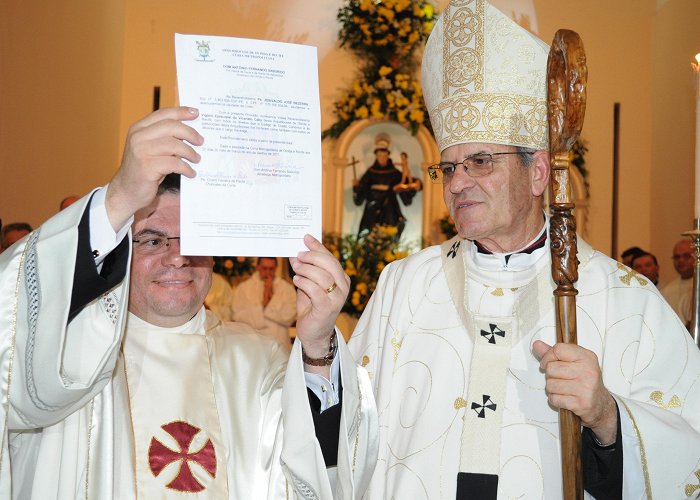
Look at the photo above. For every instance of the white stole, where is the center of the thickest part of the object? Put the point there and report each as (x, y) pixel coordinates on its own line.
(178, 442)
(493, 339)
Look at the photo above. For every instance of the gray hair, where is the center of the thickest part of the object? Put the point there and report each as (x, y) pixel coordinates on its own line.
(525, 155)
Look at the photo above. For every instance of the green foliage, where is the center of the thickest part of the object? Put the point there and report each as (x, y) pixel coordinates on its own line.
(384, 36)
(363, 259)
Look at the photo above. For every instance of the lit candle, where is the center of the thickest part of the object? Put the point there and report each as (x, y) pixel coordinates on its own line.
(696, 70)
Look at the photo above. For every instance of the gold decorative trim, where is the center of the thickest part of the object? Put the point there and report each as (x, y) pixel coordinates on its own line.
(658, 398)
(642, 451)
(490, 117)
(357, 433)
(692, 488)
(396, 345)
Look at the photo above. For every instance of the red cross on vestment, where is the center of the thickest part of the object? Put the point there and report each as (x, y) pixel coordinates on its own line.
(160, 456)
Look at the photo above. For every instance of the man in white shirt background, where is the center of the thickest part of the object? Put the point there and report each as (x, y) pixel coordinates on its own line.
(267, 302)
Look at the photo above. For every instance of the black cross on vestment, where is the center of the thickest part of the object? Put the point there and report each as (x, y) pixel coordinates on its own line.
(491, 335)
(453, 249)
(480, 409)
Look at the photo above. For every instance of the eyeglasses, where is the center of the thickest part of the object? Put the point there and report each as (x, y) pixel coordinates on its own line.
(477, 165)
(153, 244)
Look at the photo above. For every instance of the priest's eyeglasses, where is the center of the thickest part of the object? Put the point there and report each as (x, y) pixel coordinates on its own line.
(477, 165)
(152, 244)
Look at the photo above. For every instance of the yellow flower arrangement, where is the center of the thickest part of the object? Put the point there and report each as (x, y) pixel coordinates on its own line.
(384, 34)
(393, 26)
(392, 96)
(363, 260)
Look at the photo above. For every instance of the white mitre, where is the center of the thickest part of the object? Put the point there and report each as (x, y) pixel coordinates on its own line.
(485, 79)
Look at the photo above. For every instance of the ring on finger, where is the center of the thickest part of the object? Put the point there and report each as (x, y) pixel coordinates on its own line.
(331, 288)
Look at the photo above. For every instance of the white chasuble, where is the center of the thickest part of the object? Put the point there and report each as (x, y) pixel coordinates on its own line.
(72, 427)
(178, 443)
(445, 400)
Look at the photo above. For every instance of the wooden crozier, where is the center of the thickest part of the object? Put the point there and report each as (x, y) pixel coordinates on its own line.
(566, 106)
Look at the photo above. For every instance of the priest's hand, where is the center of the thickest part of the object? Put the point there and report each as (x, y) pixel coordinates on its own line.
(322, 289)
(155, 146)
(575, 383)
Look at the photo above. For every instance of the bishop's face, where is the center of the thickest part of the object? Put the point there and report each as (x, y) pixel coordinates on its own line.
(167, 289)
(502, 210)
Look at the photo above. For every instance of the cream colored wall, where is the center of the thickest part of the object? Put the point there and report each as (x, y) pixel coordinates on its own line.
(676, 39)
(617, 39)
(60, 99)
(64, 120)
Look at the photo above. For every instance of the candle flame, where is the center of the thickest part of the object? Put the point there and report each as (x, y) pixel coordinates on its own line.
(697, 58)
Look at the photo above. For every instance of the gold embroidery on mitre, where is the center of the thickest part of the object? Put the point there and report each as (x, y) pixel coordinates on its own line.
(462, 26)
(396, 344)
(498, 292)
(501, 115)
(365, 360)
(462, 68)
(464, 30)
(658, 398)
(692, 488)
(460, 402)
(485, 93)
(629, 274)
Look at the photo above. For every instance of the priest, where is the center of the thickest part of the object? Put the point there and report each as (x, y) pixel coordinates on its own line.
(459, 339)
(118, 383)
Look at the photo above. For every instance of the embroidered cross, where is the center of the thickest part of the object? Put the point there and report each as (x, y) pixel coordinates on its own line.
(480, 409)
(160, 456)
(658, 398)
(629, 274)
(453, 249)
(491, 335)
(692, 488)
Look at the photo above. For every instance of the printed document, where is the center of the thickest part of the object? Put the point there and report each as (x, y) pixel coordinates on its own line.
(258, 186)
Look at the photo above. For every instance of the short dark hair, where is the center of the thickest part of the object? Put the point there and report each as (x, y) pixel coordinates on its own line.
(633, 251)
(170, 184)
(16, 226)
(644, 254)
(13, 226)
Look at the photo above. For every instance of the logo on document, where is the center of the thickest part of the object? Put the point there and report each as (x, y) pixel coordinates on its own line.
(203, 51)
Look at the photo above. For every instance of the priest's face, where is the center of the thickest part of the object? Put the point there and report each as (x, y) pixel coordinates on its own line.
(502, 210)
(683, 259)
(167, 289)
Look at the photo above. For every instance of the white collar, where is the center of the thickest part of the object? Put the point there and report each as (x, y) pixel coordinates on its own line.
(512, 261)
(193, 326)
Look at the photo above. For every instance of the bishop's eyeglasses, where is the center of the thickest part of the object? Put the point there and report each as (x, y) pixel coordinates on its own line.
(152, 244)
(477, 165)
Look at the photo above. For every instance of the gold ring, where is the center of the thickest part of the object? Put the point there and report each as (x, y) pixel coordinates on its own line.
(331, 288)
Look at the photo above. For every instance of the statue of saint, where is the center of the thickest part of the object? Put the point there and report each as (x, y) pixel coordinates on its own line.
(381, 186)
